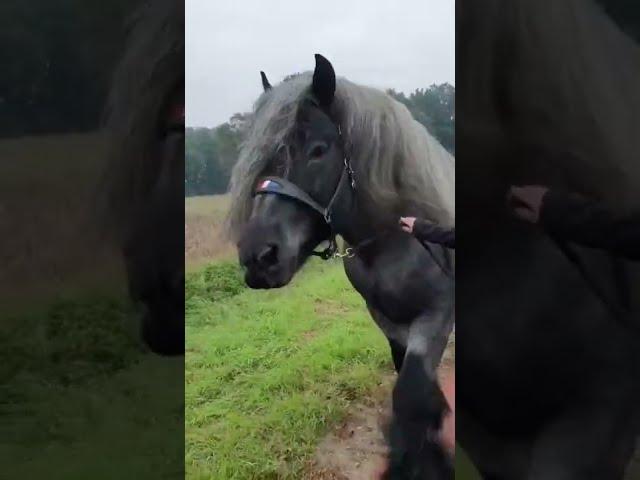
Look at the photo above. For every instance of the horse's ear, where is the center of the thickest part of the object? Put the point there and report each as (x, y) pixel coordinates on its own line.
(265, 83)
(324, 81)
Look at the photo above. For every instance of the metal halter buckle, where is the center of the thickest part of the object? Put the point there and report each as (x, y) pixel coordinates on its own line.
(329, 252)
(348, 253)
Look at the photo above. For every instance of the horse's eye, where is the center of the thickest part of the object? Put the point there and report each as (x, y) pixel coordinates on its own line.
(318, 149)
(277, 166)
(281, 169)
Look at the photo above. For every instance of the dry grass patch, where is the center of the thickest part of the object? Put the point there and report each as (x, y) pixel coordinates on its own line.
(203, 236)
(329, 308)
(48, 229)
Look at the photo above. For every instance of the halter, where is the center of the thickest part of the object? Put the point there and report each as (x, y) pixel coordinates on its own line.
(283, 187)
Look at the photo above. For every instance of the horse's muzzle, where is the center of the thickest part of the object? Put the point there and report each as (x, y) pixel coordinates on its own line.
(264, 266)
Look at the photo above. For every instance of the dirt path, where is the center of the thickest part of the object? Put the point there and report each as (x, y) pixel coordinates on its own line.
(356, 449)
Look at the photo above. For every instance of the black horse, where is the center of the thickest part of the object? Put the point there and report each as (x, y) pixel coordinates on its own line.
(547, 371)
(142, 195)
(315, 166)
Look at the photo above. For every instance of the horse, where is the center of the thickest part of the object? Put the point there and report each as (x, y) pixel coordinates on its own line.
(141, 194)
(326, 157)
(547, 367)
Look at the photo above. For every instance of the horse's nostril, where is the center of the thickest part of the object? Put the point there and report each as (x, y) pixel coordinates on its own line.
(268, 255)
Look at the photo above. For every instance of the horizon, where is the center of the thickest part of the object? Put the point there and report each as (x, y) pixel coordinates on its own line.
(248, 112)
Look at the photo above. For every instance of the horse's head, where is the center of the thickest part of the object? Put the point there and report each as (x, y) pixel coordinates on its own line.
(282, 231)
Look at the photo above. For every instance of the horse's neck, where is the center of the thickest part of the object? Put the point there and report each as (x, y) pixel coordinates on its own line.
(376, 235)
(357, 225)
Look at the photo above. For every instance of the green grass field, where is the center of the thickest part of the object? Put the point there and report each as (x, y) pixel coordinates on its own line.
(270, 372)
(80, 399)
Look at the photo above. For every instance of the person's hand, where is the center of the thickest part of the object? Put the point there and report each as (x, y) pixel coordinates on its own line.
(407, 223)
(526, 201)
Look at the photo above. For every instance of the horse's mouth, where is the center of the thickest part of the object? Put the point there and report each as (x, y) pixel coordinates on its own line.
(274, 276)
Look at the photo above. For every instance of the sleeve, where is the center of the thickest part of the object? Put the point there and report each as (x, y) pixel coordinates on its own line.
(583, 221)
(428, 232)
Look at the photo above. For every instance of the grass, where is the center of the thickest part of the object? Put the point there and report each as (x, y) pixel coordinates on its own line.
(79, 398)
(269, 372)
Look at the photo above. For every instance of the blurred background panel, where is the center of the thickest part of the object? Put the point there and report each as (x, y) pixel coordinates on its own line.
(82, 393)
(547, 292)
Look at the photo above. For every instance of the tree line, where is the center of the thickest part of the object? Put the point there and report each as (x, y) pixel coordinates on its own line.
(57, 60)
(210, 153)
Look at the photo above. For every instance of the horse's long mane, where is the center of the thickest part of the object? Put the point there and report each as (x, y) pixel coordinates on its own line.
(400, 168)
(150, 71)
(559, 77)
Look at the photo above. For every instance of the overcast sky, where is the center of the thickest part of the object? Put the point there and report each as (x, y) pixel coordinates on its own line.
(404, 45)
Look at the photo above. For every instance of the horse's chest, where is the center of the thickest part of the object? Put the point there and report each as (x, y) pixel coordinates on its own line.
(401, 289)
(381, 290)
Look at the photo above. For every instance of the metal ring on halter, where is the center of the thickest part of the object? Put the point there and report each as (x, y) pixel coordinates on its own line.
(348, 253)
(329, 252)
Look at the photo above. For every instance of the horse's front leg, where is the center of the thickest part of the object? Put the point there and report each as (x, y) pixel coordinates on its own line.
(396, 336)
(419, 406)
(398, 352)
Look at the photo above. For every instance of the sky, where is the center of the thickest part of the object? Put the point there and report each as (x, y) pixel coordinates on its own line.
(405, 44)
